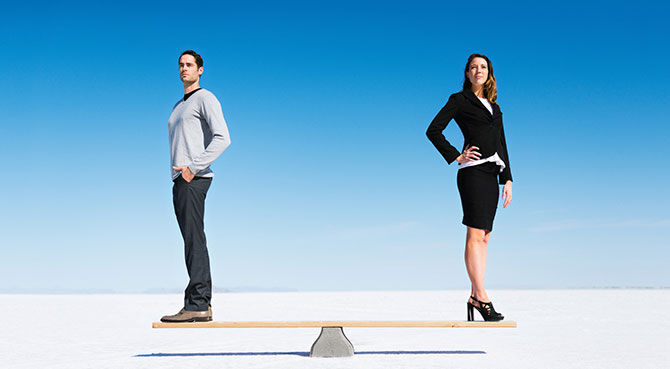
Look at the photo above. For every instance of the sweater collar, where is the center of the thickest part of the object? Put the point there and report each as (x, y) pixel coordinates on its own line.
(186, 96)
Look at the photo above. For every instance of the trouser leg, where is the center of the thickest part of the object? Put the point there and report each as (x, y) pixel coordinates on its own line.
(189, 207)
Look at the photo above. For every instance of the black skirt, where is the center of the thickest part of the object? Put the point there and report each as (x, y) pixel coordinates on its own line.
(478, 187)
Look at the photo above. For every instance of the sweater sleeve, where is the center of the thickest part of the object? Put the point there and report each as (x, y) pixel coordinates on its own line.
(506, 174)
(211, 112)
(434, 132)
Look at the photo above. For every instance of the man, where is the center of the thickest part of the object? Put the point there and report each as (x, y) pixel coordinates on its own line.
(198, 135)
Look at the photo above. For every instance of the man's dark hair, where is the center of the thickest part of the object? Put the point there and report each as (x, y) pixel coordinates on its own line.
(198, 58)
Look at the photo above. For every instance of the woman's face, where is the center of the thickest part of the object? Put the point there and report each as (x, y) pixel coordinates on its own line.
(478, 71)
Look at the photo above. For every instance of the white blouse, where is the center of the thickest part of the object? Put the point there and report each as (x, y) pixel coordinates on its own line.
(486, 103)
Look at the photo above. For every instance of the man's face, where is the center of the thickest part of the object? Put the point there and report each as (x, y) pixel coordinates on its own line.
(188, 69)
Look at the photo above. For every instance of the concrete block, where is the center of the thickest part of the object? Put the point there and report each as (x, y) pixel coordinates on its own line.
(332, 343)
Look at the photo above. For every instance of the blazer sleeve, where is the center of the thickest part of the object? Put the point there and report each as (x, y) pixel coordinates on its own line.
(506, 174)
(434, 132)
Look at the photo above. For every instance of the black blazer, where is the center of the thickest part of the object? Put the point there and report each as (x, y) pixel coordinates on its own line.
(480, 128)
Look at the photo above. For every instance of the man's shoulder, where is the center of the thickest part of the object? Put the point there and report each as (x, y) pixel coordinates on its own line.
(206, 97)
(205, 94)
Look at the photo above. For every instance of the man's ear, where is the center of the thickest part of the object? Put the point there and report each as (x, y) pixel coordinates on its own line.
(200, 70)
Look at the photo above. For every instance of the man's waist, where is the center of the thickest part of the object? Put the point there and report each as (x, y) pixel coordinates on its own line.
(207, 173)
(196, 178)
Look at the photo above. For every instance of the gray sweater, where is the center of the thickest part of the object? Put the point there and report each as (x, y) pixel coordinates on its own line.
(198, 133)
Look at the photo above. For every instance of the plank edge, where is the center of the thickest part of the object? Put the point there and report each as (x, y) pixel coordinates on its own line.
(338, 323)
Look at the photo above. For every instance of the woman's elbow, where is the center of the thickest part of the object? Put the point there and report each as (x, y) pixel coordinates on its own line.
(430, 133)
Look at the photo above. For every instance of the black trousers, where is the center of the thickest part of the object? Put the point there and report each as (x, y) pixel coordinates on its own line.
(189, 206)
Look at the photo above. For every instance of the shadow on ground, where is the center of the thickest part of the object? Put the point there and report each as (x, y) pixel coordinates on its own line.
(301, 353)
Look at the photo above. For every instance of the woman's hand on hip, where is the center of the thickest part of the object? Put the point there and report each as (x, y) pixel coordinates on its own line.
(469, 154)
(507, 194)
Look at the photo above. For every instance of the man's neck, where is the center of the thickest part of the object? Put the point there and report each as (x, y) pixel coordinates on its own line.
(190, 88)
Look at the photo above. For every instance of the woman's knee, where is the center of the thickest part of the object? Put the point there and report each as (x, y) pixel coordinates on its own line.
(478, 237)
(487, 236)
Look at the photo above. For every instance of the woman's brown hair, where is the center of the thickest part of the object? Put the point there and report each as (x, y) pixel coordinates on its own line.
(490, 88)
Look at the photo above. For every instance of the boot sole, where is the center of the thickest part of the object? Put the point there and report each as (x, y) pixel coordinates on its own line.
(206, 319)
(196, 319)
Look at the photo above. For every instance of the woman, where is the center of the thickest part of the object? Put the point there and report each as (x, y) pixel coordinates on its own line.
(482, 165)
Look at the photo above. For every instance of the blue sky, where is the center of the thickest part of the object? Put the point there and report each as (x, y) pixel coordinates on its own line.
(330, 182)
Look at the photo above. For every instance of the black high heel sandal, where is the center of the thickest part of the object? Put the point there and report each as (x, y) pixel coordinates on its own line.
(485, 309)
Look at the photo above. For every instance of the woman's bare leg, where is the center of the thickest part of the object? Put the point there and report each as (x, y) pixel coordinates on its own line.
(476, 241)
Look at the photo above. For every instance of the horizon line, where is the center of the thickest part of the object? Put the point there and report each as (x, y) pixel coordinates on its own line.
(292, 290)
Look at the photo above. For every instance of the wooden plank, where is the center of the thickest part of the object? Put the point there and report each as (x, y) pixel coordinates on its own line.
(342, 323)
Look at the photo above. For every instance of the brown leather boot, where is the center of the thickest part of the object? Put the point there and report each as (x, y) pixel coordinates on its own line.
(184, 316)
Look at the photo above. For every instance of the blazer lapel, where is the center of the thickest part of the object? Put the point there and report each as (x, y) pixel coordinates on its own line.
(472, 97)
(496, 110)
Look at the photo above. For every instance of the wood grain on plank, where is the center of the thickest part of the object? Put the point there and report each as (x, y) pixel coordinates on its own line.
(342, 323)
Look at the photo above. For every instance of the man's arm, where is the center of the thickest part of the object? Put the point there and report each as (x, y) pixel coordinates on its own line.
(211, 111)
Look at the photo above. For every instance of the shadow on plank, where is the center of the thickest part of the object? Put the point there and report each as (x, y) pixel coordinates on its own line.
(301, 353)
